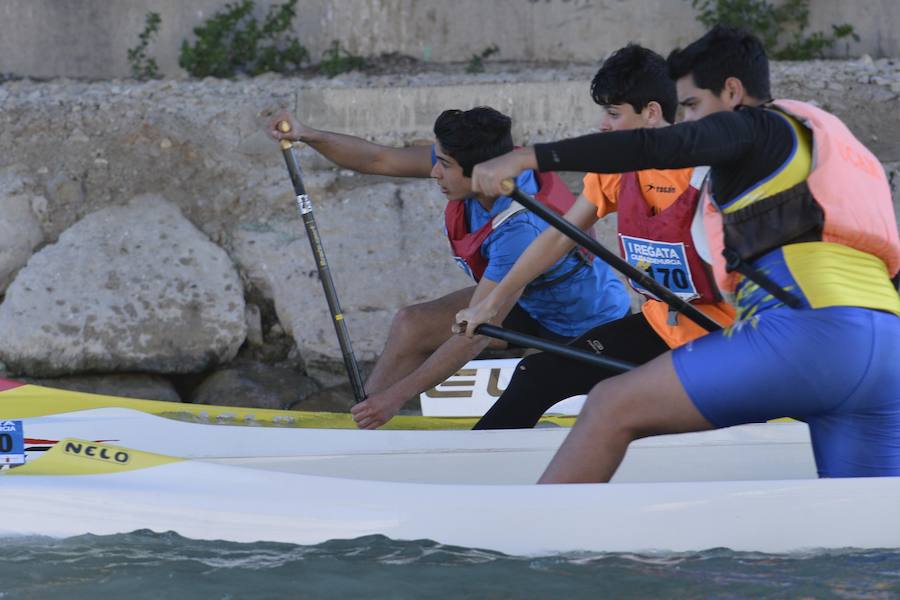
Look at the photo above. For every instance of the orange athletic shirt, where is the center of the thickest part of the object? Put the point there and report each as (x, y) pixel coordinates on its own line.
(660, 189)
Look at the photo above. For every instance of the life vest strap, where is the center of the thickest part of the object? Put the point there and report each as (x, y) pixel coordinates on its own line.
(544, 281)
(733, 262)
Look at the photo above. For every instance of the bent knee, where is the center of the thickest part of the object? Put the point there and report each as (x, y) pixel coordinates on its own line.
(609, 405)
(415, 318)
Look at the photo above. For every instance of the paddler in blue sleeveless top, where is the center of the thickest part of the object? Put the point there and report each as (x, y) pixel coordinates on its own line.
(487, 234)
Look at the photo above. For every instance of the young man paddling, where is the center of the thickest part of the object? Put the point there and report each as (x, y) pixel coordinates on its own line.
(803, 213)
(487, 234)
(656, 212)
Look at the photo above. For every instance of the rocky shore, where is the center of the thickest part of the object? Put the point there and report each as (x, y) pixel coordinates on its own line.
(150, 245)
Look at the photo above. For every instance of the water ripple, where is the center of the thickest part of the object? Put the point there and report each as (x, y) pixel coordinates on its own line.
(144, 565)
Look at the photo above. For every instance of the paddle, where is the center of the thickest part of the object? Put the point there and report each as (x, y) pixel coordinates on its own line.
(521, 339)
(663, 293)
(312, 231)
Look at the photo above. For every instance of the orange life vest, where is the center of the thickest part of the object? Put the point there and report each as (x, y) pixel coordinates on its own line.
(846, 199)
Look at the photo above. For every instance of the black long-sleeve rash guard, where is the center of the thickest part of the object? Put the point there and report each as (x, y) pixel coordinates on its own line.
(742, 148)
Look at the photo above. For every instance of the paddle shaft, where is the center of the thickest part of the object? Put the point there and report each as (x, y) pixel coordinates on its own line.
(611, 258)
(315, 241)
(529, 341)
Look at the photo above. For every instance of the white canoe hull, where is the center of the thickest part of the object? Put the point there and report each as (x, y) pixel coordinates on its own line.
(749, 488)
(750, 452)
(208, 501)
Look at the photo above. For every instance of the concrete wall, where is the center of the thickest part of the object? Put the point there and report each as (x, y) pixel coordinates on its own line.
(90, 38)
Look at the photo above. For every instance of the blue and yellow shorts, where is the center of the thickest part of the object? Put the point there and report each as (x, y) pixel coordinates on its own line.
(836, 368)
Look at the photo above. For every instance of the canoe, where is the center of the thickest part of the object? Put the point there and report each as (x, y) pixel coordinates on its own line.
(78, 487)
(748, 488)
(310, 444)
(771, 450)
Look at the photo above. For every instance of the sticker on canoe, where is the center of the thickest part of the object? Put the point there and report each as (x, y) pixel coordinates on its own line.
(71, 456)
(42, 445)
(472, 390)
(12, 443)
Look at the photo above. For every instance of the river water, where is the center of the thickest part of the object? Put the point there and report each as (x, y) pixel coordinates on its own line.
(150, 565)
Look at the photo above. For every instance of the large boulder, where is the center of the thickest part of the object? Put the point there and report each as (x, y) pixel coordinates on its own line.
(130, 288)
(20, 230)
(255, 385)
(385, 247)
(125, 385)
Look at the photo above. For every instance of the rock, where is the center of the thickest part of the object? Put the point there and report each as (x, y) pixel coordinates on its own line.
(20, 230)
(133, 288)
(377, 269)
(338, 398)
(255, 385)
(66, 191)
(254, 325)
(144, 387)
(330, 371)
(78, 137)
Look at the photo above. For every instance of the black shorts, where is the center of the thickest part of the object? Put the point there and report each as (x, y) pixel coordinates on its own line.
(541, 380)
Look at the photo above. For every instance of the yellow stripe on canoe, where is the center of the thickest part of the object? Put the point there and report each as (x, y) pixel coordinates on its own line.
(29, 400)
(72, 456)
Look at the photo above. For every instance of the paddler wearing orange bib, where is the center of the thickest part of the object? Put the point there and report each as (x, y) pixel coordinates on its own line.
(657, 217)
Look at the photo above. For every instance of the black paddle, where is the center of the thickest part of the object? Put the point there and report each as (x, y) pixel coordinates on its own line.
(529, 341)
(312, 231)
(611, 258)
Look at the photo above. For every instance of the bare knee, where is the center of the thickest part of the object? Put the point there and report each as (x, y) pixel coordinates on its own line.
(420, 326)
(607, 408)
(407, 321)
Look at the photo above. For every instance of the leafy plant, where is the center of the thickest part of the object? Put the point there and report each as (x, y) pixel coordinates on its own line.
(781, 28)
(142, 66)
(476, 63)
(232, 41)
(337, 60)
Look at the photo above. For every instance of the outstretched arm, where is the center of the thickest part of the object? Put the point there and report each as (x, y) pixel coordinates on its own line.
(720, 140)
(356, 153)
(380, 407)
(546, 249)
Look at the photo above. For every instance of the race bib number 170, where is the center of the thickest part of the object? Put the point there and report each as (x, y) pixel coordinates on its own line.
(666, 262)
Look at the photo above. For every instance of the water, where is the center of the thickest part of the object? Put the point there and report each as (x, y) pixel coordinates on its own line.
(147, 565)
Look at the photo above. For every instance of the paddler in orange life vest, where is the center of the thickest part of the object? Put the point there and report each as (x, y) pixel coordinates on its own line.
(487, 234)
(657, 211)
(803, 234)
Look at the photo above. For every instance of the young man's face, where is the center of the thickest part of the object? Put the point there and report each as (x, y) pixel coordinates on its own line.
(449, 175)
(620, 117)
(698, 103)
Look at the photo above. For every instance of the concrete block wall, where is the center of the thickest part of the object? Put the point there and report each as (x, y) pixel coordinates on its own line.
(90, 38)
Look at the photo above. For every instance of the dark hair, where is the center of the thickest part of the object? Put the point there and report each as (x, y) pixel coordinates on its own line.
(473, 136)
(722, 53)
(637, 76)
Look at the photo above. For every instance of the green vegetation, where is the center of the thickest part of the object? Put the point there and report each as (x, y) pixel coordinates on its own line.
(337, 60)
(143, 67)
(781, 28)
(233, 42)
(476, 63)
